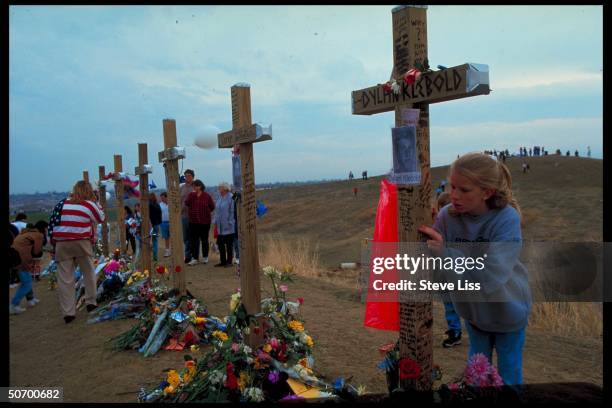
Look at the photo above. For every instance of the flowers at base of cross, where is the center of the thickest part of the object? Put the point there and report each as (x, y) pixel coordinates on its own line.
(409, 368)
(283, 288)
(220, 335)
(234, 301)
(243, 380)
(271, 272)
(215, 377)
(254, 394)
(274, 376)
(194, 348)
(267, 348)
(480, 373)
(296, 325)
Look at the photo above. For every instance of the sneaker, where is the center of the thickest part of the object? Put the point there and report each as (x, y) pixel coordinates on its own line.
(237, 261)
(15, 309)
(13, 285)
(68, 319)
(33, 302)
(205, 260)
(192, 262)
(453, 339)
(166, 253)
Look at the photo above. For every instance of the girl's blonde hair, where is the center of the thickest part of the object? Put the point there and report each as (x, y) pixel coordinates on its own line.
(82, 191)
(487, 173)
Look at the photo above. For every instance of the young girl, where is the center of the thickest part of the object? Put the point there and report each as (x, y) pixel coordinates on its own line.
(483, 209)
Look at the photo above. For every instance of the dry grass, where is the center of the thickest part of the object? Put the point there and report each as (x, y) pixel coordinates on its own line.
(569, 318)
(299, 253)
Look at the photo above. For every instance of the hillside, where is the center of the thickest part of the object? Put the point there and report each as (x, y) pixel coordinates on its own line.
(561, 199)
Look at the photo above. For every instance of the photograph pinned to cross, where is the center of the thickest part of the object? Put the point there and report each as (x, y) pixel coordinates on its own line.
(406, 169)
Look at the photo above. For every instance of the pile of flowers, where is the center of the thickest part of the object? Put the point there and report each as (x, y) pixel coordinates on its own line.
(480, 380)
(280, 368)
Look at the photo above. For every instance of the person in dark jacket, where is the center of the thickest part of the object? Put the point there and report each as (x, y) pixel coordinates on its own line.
(200, 206)
(155, 215)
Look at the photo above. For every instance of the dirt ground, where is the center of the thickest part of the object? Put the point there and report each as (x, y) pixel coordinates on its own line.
(44, 351)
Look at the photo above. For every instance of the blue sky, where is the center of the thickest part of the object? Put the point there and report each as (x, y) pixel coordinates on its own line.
(88, 82)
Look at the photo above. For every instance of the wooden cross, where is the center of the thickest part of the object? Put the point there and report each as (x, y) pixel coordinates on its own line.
(142, 171)
(170, 157)
(120, 208)
(414, 202)
(245, 134)
(102, 194)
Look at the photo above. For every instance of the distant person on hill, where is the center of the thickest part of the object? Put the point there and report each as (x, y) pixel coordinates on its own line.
(155, 215)
(226, 225)
(29, 244)
(524, 166)
(484, 209)
(576, 153)
(558, 152)
(588, 151)
(567, 153)
(21, 220)
(350, 175)
(355, 190)
(73, 237)
(200, 206)
(165, 224)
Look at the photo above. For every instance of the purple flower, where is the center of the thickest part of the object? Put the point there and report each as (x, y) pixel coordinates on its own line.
(480, 373)
(292, 397)
(283, 288)
(273, 377)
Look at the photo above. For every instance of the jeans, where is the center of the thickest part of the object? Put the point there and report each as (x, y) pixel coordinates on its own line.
(197, 233)
(509, 347)
(154, 237)
(452, 318)
(225, 243)
(186, 241)
(25, 288)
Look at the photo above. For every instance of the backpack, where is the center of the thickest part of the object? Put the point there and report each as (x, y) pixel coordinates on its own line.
(55, 218)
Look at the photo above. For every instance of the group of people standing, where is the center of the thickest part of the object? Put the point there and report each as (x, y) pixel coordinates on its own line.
(197, 208)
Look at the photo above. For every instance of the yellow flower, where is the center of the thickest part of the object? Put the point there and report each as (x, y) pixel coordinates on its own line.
(220, 335)
(243, 380)
(309, 341)
(194, 348)
(200, 320)
(288, 268)
(296, 326)
(168, 390)
(267, 348)
(173, 378)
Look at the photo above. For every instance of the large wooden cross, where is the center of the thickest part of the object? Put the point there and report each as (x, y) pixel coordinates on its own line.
(169, 157)
(245, 134)
(102, 200)
(414, 202)
(142, 171)
(119, 197)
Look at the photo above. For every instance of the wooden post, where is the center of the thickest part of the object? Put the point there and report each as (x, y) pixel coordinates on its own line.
(145, 222)
(414, 201)
(170, 161)
(86, 175)
(246, 134)
(119, 198)
(102, 193)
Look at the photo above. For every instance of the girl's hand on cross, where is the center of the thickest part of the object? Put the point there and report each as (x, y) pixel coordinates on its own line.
(436, 242)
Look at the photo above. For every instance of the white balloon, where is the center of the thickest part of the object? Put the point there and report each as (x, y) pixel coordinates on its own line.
(206, 138)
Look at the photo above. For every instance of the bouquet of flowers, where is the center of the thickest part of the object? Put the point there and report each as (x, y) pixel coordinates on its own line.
(480, 380)
(279, 369)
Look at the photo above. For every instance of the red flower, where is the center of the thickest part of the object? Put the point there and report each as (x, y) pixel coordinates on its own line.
(386, 348)
(231, 382)
(188, 338)
(160, 269)
(411, 76)
(177, 269)
(409, 368)
(300, 301)
(256, 330)
(387, 87)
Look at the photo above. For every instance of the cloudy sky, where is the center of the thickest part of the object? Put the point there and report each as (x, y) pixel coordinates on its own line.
(88, 82)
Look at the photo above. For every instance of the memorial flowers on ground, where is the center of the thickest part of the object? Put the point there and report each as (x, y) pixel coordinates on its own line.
(280, 367)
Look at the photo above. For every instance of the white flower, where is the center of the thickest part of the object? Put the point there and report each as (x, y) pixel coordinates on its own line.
(216, 377)
(130, 298)
(249, 360)
(247, 330)
(247, 349)
(395, 87)
(254, 394)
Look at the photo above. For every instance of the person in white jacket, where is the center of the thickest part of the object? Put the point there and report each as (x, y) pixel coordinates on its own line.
(225, 223)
